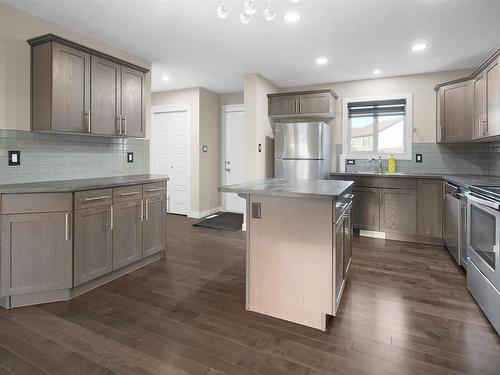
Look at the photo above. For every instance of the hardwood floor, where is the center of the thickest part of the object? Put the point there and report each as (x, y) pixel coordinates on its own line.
(406, 310)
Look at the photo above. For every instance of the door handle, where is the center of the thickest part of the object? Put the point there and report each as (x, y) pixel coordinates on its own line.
(119, 124)
(226, 168)
(141, 216)
(147, 209)
(124, 120)
(89, 125)
(66, 227)
(111, 220)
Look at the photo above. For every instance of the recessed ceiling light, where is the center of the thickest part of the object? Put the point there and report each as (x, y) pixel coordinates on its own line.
(376, 72)
(321, 60)
(292, 17)
(419, 47)
(165, 78)
(295, 1)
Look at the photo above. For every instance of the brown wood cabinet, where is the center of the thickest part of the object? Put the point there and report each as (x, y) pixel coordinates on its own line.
(493, 100)
(398, 211)
(82, 91)
(93, 243)
(127, 233)
(430, 208)
(455, 112)
(366, 208)
(480, 113)
(154, 225)
(303, 104)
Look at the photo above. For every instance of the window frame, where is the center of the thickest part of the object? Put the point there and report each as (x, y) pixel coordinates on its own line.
(408, 129)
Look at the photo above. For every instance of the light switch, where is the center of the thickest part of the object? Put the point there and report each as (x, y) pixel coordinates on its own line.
(130, 157)
(418, 158)
(351, 161)
(14, 157)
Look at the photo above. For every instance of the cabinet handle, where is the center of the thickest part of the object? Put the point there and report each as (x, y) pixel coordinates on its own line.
(66, 227)
(154, 189)
(147, 209)
(142, 211)
(89, 128)
(124, 120)
(485, 126)
(128, 194)
(111, 220)
(97, 198)
(119, 124)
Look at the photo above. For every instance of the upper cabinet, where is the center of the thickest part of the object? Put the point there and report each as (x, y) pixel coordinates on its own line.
(303, 104)
(79, 90)
(468, 109)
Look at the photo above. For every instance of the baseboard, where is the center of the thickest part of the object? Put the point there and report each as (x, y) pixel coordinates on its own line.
(200, 214)
(371, 233)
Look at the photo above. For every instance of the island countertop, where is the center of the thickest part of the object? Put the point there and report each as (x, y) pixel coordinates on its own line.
(80, 184)
(318, 189)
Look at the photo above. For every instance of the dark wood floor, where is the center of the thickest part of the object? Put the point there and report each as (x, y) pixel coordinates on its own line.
(406, 310)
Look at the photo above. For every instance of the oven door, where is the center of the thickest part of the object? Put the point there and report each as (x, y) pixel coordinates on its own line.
(483, 234)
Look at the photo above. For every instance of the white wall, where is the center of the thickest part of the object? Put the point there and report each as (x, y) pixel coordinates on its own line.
(15, 28)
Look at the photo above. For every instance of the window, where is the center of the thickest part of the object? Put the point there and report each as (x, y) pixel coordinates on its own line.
(374, 127)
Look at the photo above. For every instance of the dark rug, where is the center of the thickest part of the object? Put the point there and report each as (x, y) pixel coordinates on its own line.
(222, 220)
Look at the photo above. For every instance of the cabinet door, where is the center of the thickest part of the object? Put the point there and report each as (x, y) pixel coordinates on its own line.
(70, 89)
(480, 114)
(36, 252)
(105, 108)
(154, 226)
(132, 102)
(283, 105)
(127, 233)
(493, 85)
(430, 208)
(93, 246)
(398, 211)
(366, 208)
(316, 103)
(457, 114)
(347, 241)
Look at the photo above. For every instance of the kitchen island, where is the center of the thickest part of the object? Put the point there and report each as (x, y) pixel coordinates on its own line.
(298, 247)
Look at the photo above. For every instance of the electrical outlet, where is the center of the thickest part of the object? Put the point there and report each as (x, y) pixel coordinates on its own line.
(418, 158)
(351, 162)
(130, 157)
(14, 157)
(260, 147)
(205, 148)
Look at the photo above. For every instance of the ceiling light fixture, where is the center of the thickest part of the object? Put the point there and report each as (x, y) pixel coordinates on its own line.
(295, 1)
(165, 78)
(222, 10)
(249, 7)
(269, 13)
(291, 17)
(419, 47)
(245, 18)
(321, 60)
(376, 72)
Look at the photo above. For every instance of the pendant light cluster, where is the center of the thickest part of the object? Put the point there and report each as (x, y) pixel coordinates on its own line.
(249, 9)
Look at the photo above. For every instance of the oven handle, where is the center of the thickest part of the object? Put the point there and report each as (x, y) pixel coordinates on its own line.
(475, 198)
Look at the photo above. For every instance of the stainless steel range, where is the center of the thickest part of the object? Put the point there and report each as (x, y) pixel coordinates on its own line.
(483, 243)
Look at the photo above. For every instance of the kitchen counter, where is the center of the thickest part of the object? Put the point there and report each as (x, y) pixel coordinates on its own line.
(318, 189)
(460, 180)
(80, 184)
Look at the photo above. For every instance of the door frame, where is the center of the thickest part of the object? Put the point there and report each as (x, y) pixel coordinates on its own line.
(157, 109)
(223, 110)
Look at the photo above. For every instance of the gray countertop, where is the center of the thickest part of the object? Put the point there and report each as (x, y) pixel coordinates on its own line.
(461, 180)
(78, 185)
(319, 189)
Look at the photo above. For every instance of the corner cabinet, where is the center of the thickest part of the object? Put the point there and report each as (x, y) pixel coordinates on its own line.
(303, 104)
(81, 91)
(468, 109)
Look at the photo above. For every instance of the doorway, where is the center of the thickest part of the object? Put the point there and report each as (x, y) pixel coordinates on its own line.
(233, 154)
(170, 154)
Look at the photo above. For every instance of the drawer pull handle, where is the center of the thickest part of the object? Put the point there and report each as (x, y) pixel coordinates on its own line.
(155, 189)
(128, 194)
(97, 198)
(147, 209)
(66, 227)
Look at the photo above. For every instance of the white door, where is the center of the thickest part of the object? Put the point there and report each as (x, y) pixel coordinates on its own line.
(170, 156)
(234, 158)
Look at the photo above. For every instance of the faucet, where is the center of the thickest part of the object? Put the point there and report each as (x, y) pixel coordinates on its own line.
(379, 163)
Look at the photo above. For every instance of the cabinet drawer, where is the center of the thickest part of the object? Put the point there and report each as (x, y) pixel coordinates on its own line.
(384, 182)
(154, 189)
(35, 203)
(127, 193)
(93, 198)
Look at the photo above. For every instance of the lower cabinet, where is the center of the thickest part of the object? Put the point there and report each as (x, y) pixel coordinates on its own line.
(154, 226)
(343, 253)
(398, 213)
(430, 208)
(366, 208)
(93, 243)
(127, 233)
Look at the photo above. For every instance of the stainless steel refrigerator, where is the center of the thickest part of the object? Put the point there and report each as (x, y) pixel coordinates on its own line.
(302, 150)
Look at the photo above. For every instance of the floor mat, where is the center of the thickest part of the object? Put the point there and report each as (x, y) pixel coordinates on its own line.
(222, 220)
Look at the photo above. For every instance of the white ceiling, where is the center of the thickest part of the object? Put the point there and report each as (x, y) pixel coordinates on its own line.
(188, 42)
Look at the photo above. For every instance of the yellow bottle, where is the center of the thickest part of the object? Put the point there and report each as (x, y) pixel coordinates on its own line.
(391, 164)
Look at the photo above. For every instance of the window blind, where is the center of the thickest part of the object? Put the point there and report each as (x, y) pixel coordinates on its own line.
(377, 108)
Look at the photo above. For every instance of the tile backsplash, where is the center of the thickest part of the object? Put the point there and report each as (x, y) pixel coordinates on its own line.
(474, 159)
(48, 157)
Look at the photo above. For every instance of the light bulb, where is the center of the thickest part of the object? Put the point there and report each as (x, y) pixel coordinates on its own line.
(245, 18)
(269, 14)
(222, 11)
(249, 7)
(292, 17)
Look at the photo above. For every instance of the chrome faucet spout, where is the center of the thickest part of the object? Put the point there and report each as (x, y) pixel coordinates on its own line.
(378, 161)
